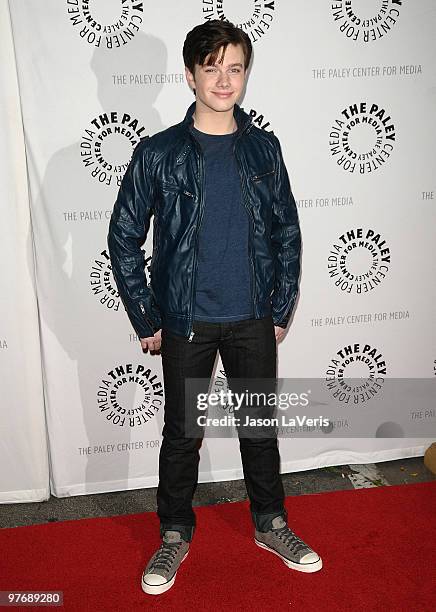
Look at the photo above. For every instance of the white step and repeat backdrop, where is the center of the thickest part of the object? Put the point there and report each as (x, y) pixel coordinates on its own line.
(24, 465)
(349, 89)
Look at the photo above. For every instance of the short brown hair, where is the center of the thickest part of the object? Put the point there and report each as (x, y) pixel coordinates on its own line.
(209, 37)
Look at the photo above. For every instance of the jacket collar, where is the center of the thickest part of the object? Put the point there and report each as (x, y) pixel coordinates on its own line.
(243, 121)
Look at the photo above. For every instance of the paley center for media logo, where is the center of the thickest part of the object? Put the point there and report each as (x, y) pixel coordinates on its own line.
(107, 145)
(106, 23)
(253, 16)
(362, 21)
(359, 260)
(130, 395)
(362, 138)
(356, 373)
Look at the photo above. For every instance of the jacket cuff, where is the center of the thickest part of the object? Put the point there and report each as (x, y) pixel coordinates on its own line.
(144, 323)
(282, 321)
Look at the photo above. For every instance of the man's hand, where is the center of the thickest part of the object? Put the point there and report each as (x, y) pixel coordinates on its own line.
(279, 332)
(152, 343)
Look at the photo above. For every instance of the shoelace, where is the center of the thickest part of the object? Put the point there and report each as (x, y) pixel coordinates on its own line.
(290, 539)
(165, 556)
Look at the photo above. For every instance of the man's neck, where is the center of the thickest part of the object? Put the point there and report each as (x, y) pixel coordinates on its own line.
(211, 122)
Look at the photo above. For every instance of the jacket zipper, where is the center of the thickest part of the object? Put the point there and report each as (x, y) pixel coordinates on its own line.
(259, 176)
(177, 189)
(142, 309)
(200, 217)
(251, 225)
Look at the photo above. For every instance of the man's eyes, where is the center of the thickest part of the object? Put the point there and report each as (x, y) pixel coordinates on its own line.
(215, 70)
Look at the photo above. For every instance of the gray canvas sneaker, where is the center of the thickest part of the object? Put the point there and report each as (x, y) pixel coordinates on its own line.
(283, 542)
(161, 570)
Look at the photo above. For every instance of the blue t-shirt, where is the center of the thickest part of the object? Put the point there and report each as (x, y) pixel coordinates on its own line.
(223, 285)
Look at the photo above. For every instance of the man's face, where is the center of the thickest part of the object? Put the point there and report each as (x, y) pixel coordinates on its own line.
(219, 87)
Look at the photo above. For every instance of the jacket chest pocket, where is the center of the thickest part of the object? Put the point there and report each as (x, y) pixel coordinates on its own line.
(171, 198)
(262, 190)
(176, 205)
(261, 177)
(172, 188)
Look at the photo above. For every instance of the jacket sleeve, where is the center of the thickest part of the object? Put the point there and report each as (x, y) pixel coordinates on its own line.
(128, 229)
(286, 243)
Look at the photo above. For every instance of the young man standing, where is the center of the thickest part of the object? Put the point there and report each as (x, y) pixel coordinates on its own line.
(224, 276)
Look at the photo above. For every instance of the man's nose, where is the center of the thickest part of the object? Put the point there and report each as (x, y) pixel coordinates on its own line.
(223, 79)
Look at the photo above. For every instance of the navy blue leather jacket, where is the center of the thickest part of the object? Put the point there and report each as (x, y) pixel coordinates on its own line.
(165, 178)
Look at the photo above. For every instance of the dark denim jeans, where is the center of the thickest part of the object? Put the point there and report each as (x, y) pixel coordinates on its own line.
(248, 350)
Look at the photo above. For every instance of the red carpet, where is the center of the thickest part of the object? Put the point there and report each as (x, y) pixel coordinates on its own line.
(378, 548)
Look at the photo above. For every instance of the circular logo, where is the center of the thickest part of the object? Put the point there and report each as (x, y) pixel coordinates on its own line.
(365, 369)
(253, 16)
(106, 23)
(130, 395)
(365, 20)
(359, 261)
(103, 284)
(107, 146)
(362, 138)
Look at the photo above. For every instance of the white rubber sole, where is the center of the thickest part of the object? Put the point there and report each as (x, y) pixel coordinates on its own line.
(158, 589)
(307, 568)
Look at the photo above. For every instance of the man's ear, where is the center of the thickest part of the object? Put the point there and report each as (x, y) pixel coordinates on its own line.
(190, 78)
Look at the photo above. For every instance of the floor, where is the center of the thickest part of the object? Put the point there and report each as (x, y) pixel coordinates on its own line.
(321, 480)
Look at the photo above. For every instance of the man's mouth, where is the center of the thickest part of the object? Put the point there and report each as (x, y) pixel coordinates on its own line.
(222, 94)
